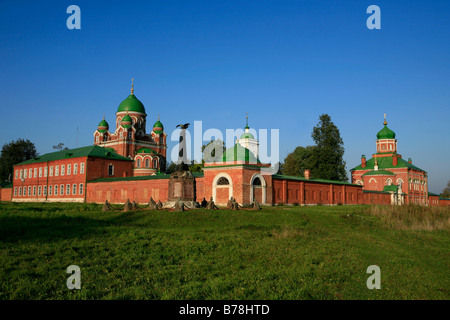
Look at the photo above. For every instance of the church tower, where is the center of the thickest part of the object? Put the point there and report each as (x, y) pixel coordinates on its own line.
(247, 140)
(386, 141)
(130, 138)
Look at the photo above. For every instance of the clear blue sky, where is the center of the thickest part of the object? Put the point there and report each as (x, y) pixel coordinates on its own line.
(283, 62)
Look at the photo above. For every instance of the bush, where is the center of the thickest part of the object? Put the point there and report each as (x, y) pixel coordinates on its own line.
(280, 204)
(295, 204)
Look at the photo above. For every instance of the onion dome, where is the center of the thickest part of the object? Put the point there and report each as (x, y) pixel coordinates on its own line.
(126, 121)
(385, 133)
(158, 127)
(247, 135)
(131, 103)
(103, 126)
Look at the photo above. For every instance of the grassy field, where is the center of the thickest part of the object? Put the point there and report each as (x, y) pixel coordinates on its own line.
(287, 253)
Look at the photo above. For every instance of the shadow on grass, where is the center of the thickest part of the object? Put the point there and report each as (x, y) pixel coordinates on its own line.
(49, 229)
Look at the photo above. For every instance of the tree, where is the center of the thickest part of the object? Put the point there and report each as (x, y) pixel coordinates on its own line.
(329, 151)
(171, 168)
(299, 160)
(446, 192)
(324, 159)
(13, 153)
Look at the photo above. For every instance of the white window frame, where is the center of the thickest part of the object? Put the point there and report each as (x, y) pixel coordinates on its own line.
(51, 171)
(69, 169)
(75, 168)
(63, 169)
(80, 191)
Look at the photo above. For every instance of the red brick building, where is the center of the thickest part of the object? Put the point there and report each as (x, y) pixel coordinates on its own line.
(388, 171)
(131, 140)
(126, 165)
(62, 176)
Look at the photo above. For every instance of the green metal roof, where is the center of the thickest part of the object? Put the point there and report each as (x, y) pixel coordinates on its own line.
(386, 133)
(146, 150)
(379, 173)
(386, 163)
(131, 104)
(284, 177)
(239, 153)
(90, 152)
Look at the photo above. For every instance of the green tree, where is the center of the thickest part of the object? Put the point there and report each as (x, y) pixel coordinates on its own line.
(329, 151)
(13, 153)
(171, 167)
(446, 192)
(297, 161)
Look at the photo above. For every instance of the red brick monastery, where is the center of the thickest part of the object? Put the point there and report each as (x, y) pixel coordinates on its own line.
(129, 164)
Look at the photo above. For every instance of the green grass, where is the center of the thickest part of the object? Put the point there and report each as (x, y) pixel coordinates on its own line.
(287, 253)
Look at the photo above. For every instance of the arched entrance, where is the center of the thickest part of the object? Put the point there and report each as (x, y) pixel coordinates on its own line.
(258, 189)
(222, 188)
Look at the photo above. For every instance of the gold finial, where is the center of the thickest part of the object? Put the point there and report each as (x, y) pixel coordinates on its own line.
(103, 116)
(385, 122)
(132, 86)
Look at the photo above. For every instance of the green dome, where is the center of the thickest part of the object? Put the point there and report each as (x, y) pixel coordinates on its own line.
(103, 126)
(158, 127)
(246, 135)
(386, 133)
(126, 121)
(239, 153)
(131, 104)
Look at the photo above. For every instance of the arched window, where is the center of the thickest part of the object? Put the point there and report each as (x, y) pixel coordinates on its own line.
(147, 163)
(388, 182)
(155, 163)
(223, 181)
(257, 181)
(138, 164)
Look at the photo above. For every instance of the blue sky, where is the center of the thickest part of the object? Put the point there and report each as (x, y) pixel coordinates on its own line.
(283, 62)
